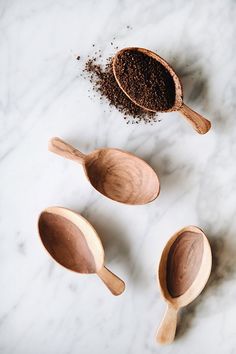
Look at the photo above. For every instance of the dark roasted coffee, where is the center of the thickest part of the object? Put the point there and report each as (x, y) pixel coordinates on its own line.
(145, 80)
(104, 82)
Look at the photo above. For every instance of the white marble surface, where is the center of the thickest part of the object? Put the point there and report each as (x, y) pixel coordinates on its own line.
(45, 309)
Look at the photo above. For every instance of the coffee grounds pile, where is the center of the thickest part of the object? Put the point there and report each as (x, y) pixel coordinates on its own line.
(103, 81)
(145, 80)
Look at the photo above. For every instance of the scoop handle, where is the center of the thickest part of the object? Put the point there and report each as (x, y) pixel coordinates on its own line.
(114, 283)
(198, 122)
(167, 329)
(60, 147)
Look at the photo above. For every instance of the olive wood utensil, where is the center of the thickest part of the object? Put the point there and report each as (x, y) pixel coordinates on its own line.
(117, 174)
(184, 269)
(198, 122)
(73, 242)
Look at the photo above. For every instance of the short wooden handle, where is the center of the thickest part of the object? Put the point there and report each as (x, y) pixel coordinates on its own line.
(61, 148)
(198, 122)
(114, 283)
(167, 329)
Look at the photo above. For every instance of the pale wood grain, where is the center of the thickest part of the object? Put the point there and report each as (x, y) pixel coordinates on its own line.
(198, 122)
(60, 147)
(115, 284)
(167, 329)
(117, 174)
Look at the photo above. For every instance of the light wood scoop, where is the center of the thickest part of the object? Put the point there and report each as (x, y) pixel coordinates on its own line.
(198, 122)
(184, 269)
(117, 174)
(73, 242)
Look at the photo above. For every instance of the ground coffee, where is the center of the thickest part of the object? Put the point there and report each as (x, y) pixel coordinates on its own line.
(145, 80)
(104, 82)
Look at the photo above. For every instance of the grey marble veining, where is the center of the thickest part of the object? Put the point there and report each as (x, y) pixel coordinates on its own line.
(44, 309)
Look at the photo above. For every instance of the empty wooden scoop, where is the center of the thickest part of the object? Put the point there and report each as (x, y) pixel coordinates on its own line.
(117, 174)
(73, 242)
(199, 123)
(184, 269)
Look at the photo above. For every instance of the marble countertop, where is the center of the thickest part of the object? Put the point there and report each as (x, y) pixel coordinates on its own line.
(45, 309)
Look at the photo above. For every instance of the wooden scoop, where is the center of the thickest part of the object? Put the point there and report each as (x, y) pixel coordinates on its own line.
(198, 122)
(117, 174)
(184, 269)
(73, 242)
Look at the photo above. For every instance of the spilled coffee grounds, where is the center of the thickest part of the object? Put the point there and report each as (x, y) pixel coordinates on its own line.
(104, 82)
(145, 80)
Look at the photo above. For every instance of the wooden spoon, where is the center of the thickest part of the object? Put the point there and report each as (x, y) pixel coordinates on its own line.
(73, 242)
(117, 174)
(184, 269)
(198, 122)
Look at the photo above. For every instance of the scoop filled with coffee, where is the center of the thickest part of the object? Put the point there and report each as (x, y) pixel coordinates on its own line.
(151, 83)
(73, 243)
(117, 174)
(184, 269)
